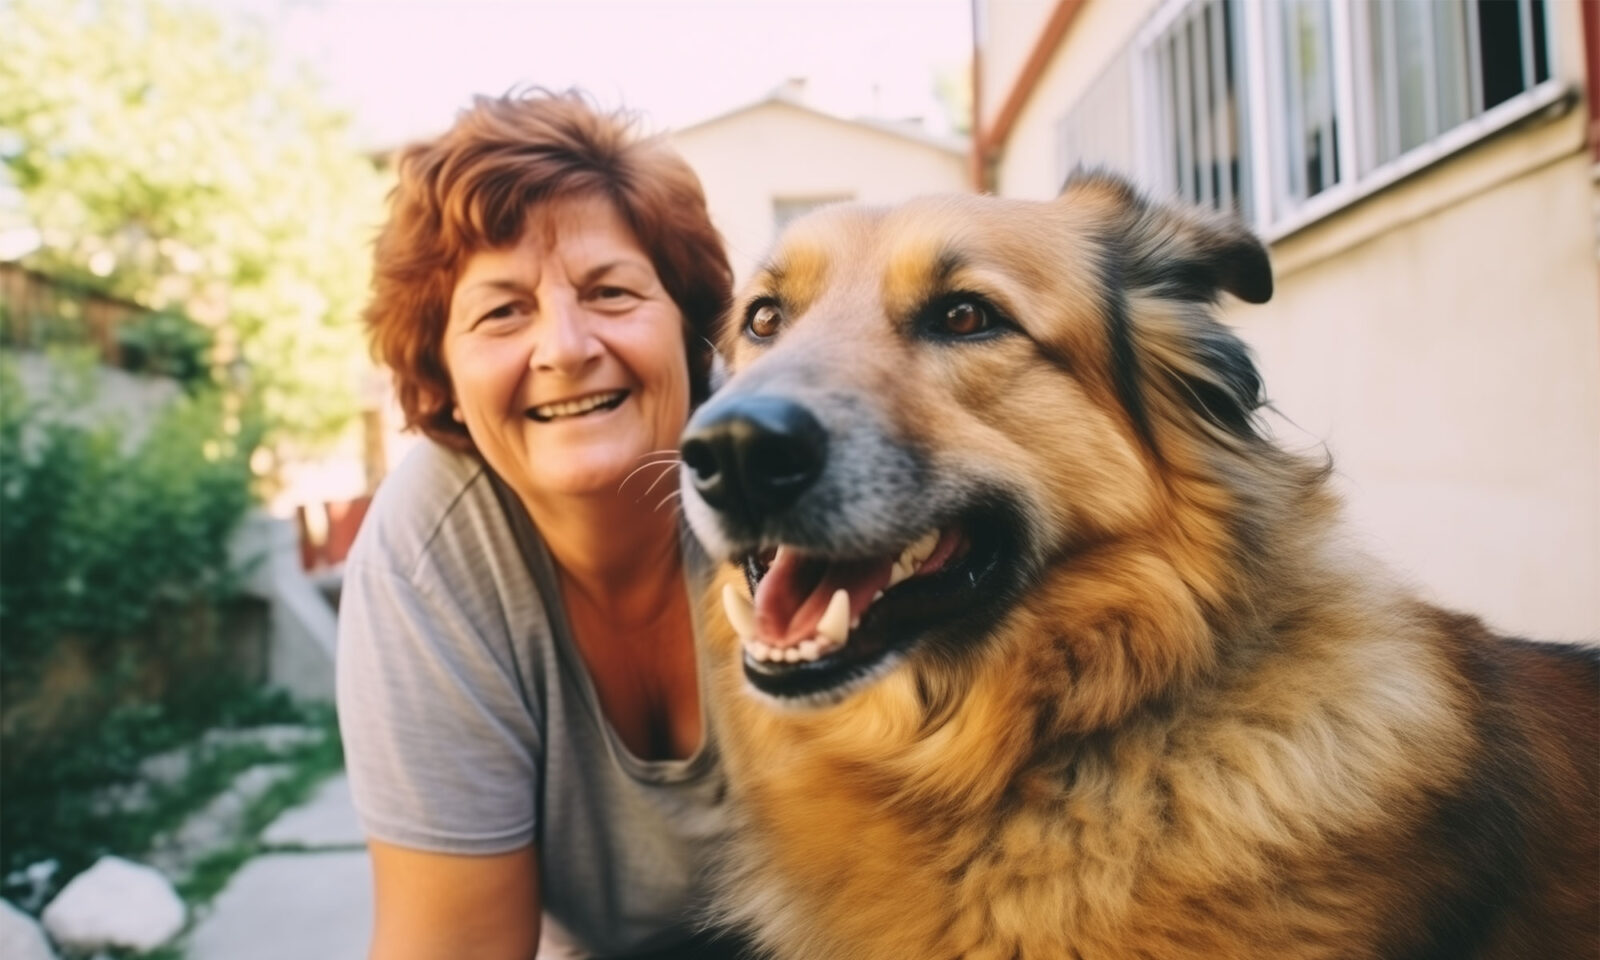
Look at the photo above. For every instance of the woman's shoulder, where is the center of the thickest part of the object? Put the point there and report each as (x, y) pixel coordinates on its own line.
(432, 493)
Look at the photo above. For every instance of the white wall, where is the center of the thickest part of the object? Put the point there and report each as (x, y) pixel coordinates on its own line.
(1008, 31)
(1452, 364)
(777, 150)
(1442, 337)
(1027, 166)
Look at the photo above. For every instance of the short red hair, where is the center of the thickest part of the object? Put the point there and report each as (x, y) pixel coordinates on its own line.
(474, 187)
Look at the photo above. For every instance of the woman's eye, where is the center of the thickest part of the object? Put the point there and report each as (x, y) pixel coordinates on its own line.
(764, 321)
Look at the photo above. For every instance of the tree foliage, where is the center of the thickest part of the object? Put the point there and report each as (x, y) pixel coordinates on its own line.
(166, 149)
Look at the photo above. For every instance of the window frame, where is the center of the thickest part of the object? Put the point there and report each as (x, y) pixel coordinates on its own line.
(1262, 110)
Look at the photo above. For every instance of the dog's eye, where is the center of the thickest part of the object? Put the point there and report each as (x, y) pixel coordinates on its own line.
(963, 318)
(966, 318)
(764, 320)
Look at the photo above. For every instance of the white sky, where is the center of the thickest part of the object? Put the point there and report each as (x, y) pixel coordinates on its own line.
(405, 66)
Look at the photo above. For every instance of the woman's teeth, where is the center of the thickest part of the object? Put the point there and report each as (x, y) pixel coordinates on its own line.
(578, 407)
(834, 628)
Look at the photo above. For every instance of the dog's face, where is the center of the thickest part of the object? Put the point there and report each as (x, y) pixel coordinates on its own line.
(932, 406)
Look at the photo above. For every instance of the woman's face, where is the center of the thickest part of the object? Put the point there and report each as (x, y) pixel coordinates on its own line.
(566, 354)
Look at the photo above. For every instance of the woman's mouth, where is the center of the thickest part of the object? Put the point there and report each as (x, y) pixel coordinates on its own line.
(577, 407)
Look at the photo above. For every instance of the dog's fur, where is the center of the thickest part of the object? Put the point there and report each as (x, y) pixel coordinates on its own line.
(1194, 722)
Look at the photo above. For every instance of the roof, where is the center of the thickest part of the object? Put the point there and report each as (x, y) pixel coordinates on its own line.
(788, 95)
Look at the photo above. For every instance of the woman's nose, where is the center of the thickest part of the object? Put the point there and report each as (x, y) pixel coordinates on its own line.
(566, 342)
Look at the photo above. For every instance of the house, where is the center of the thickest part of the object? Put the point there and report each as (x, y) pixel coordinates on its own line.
(768, 162)
(1425, 175)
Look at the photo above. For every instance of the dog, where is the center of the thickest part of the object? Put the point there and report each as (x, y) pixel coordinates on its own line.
(1037, 645)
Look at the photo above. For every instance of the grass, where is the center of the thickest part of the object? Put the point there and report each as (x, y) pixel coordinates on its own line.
(312, 766)
(53, 797)
(52, 813)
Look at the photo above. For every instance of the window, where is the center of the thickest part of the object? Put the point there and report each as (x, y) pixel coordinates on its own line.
(786, 210)
(1287, 110)
(1430, 67)
(1300, 55)
(1193, 82)
(1098, 132)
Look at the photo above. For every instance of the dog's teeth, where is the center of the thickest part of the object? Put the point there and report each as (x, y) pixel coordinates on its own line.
(792, 655)
(835, 623)
(898, 573)
(920, 551)
(810, 650)
(741, 612)
(758, 651)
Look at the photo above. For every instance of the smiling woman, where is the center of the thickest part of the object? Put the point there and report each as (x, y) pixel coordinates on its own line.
(518, 685)
(567, 353)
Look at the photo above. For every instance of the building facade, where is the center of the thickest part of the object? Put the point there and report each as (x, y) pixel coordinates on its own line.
(1425, 175)
(768, 162)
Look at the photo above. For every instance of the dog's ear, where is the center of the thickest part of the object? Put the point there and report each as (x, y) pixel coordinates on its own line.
(1178, 360)
(1179, 252)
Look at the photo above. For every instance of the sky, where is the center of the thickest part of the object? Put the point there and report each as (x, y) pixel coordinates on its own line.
(404, 67)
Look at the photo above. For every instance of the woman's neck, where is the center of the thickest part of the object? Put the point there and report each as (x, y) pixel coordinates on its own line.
(618, 555)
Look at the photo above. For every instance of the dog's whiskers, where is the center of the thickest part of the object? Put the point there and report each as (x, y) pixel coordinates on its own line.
(659, 477)
(672, 462)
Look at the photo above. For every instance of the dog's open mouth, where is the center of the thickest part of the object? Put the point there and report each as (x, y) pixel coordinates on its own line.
(819, 623)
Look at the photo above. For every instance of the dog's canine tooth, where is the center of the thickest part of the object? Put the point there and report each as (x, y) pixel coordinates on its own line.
(916, 553)
(740, 610)
(835, 622)
(898, 573)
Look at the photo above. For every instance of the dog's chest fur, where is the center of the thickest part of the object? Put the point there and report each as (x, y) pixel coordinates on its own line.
(1173, 838)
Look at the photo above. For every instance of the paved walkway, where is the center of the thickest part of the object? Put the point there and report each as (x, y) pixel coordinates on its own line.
(309, 896)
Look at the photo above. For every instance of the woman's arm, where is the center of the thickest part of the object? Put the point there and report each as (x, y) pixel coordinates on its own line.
(437, 906)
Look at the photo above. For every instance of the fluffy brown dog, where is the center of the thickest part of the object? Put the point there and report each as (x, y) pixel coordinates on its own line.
(1053, 654)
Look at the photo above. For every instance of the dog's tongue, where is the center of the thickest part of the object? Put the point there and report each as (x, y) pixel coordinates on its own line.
(794, 594)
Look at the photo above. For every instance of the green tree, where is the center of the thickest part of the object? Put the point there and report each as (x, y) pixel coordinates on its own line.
(167, 152)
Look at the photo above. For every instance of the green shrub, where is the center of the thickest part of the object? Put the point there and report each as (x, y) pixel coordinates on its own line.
(95, 537)
(168, 345)
(115, 581)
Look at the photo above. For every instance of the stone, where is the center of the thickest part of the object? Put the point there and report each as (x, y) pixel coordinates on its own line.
(216, 825)
(36, 877)
(168, 768)
(290, 905)
(279, 738)
(115, 904)
(21, 937)
(326, 821)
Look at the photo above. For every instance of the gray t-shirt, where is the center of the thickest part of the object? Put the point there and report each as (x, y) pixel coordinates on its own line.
(471, 725)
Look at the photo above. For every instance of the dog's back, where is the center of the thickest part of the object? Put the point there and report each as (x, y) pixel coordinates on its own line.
(1523, 836)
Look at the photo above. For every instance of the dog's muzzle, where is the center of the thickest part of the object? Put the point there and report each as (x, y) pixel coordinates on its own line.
(753, 456)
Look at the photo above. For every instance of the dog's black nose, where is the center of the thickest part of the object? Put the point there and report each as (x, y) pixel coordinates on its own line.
(754, 455)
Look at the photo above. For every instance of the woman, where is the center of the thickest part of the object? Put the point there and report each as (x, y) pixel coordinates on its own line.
(518, 687)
